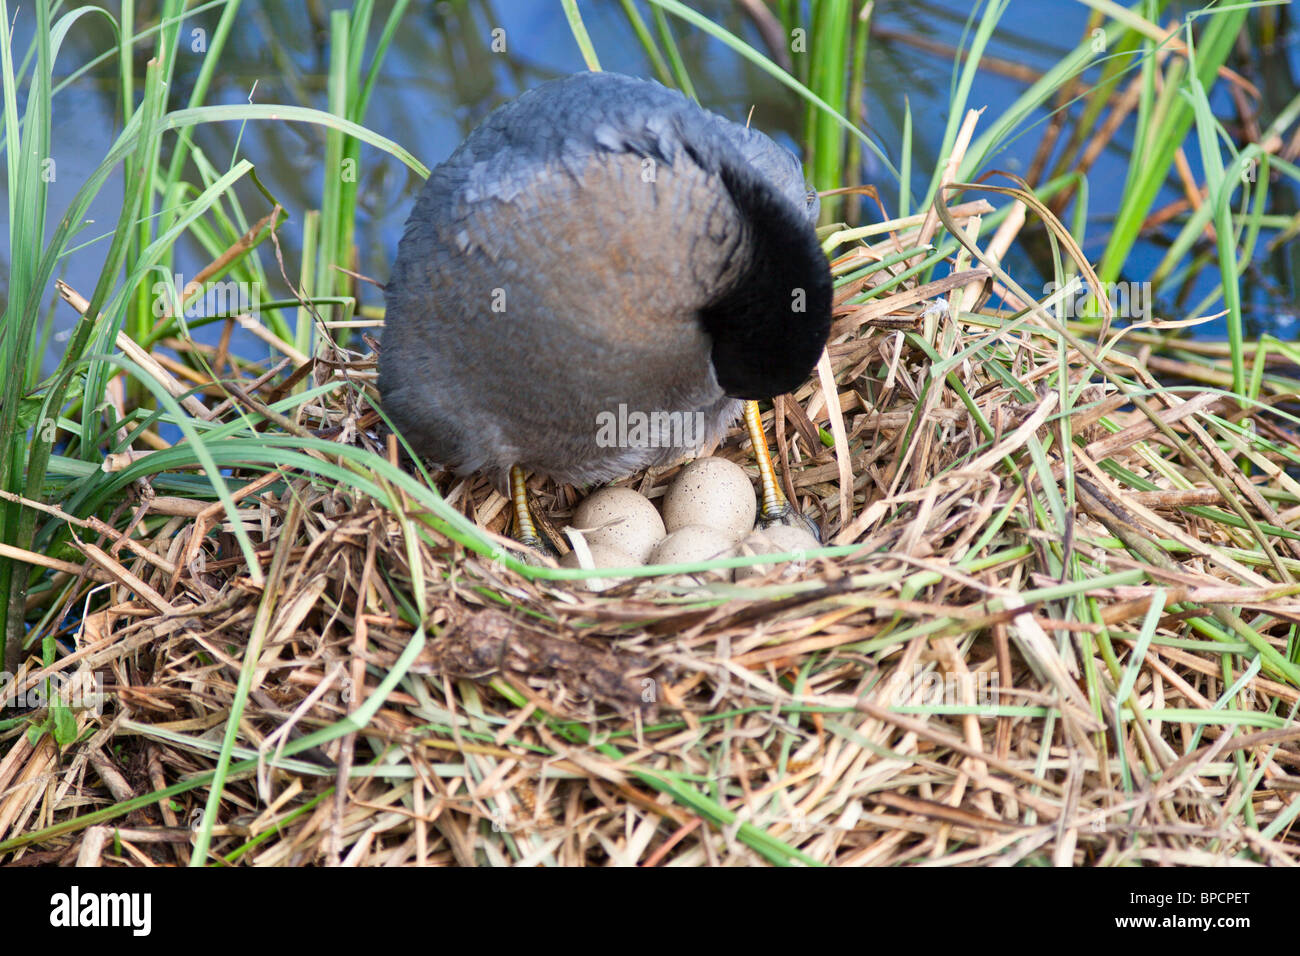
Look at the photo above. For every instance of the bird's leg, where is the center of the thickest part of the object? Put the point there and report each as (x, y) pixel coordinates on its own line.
(775, 508)
(525, 532)
(774, 505)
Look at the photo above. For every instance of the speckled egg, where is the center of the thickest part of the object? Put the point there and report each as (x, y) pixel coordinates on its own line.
(712, 492)
(602, 556)
(778, 539)
(694, 543)
(791, 537)
(622, 519)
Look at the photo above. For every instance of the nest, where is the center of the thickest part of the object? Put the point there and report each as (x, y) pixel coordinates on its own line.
(1006, 653)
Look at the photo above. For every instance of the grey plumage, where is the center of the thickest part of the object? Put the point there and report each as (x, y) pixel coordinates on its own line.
(563, 263)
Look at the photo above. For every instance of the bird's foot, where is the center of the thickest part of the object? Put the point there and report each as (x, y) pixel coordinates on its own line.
(535, 550)
(785, 514)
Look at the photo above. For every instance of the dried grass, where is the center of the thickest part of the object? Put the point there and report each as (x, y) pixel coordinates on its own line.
(1090, 713)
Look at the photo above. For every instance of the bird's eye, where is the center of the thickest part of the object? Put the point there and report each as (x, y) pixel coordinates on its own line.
(810, 197)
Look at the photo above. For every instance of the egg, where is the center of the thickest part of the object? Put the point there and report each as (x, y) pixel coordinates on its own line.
(691, 544)
(790, 537)
(754, 544)
(777, 539)
(602, 556)
(712, 492)
(620, 518)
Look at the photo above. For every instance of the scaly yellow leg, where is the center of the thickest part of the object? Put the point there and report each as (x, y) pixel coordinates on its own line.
(525, 530)
(775, 507)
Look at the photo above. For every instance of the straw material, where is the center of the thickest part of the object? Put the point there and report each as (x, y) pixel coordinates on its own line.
(1013, 660)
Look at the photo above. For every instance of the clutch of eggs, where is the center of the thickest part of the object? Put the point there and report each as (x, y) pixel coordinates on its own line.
(708, 513)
